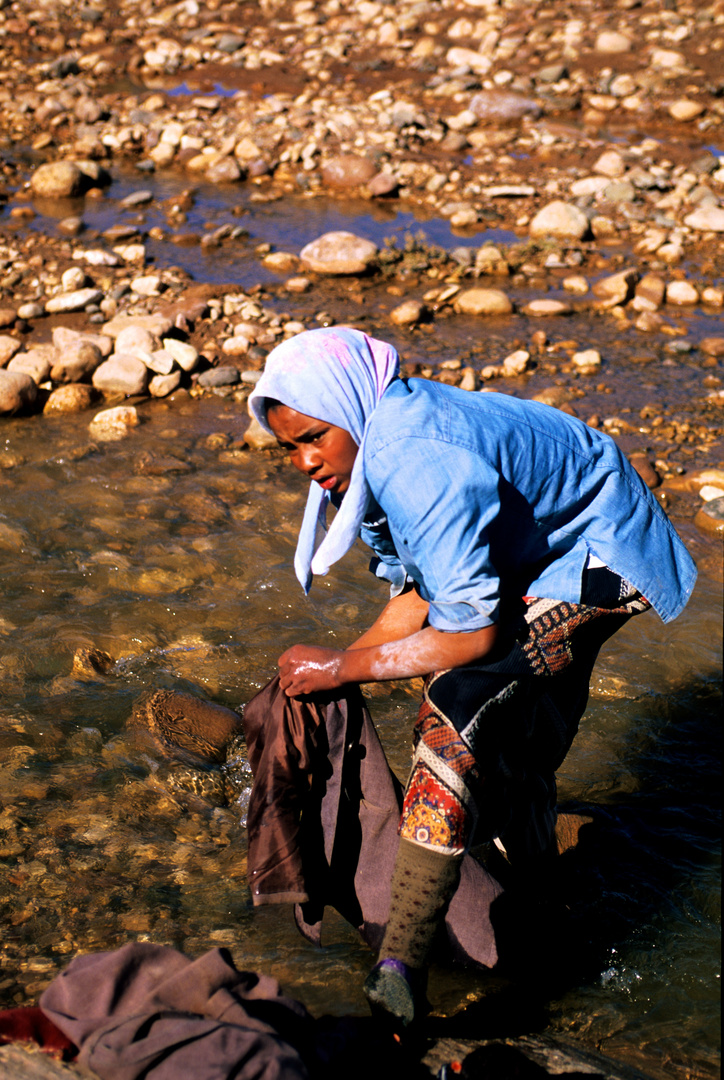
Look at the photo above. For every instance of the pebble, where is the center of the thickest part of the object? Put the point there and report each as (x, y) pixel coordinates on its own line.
(706, 219)
(611, 41)
(258, 438)
(587, 362)
(157, 324)
(122, 373)
(224, 170)
(616, 288)
(610, 164)
(646, 470)
(8, 316)
(135, 339)
(710, 519)
(159, 361)
(185, 355)
(110, 425)
(543, 308)
(516, 363)
(76, 362)
(17, 390)
(649, 294)
(161, 385)
(339, 253)
(576, 283)
(73, 301)
(219, 376)
(348, 170)
(383, 184)
(685, 109)
(560, 220)
(409, 313)
(148, 285)
(681, 293)
(503, 106)
(238, 345)
(34, 363)
(32, 310)
(8, 347)
(483, 302)
(712, 346)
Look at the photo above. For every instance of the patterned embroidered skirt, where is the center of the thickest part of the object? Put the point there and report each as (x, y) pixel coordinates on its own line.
(490, 735)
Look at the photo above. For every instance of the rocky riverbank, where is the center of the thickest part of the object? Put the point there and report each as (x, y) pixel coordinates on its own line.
(593, 139)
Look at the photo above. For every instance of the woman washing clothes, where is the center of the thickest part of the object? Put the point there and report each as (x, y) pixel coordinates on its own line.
(515, 540)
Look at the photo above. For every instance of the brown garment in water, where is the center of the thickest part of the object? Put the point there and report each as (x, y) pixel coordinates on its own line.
(147, 1011)
(323, 823)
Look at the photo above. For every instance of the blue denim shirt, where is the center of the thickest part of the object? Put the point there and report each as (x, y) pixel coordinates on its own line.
(482, 496)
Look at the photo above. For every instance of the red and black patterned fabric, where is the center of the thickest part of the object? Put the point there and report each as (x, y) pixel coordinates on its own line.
(490, 735)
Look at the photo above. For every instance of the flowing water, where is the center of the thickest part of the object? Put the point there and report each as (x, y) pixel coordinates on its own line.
(171, 551)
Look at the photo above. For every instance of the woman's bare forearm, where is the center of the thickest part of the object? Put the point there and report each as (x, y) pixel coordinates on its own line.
(304, 669)
(401, 616)
(419, 653)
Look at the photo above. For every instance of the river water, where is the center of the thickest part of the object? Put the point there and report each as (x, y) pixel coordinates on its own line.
(171, 551)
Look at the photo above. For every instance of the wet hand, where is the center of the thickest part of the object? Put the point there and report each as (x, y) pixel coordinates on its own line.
(305, 669)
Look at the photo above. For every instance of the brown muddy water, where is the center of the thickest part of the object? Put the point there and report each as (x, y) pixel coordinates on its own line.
(171, 550)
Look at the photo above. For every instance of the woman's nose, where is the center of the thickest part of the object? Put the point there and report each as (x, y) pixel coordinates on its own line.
(307, 459)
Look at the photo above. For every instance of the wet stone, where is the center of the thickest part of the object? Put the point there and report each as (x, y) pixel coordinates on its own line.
(74, 397)
(110, 425)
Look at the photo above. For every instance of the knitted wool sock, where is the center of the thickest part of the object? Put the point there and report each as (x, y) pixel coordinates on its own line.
(423, 883)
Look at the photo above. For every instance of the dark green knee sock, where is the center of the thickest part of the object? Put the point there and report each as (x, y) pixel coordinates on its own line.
(423, 883)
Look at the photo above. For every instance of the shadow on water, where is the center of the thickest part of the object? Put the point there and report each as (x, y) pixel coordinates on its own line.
(643, 862)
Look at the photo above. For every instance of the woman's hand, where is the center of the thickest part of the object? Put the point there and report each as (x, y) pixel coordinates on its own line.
(304, 669)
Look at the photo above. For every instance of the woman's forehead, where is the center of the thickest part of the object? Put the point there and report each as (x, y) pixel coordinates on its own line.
(283, 419)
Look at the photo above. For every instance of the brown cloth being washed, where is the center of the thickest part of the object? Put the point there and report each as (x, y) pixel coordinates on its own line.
(147, 1011)
(323, 818)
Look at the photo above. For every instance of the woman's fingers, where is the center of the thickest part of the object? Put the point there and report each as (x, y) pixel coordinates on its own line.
(304, 669)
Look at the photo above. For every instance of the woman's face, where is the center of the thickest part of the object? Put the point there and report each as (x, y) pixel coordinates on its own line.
(321, 451)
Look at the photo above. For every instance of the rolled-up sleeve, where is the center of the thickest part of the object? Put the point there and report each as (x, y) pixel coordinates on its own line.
(440, 500)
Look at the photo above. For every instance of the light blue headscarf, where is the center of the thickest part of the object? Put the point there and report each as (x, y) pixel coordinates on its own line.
(336, 375)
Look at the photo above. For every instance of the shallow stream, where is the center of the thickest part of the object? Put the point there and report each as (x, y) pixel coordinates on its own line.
(171, 551)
